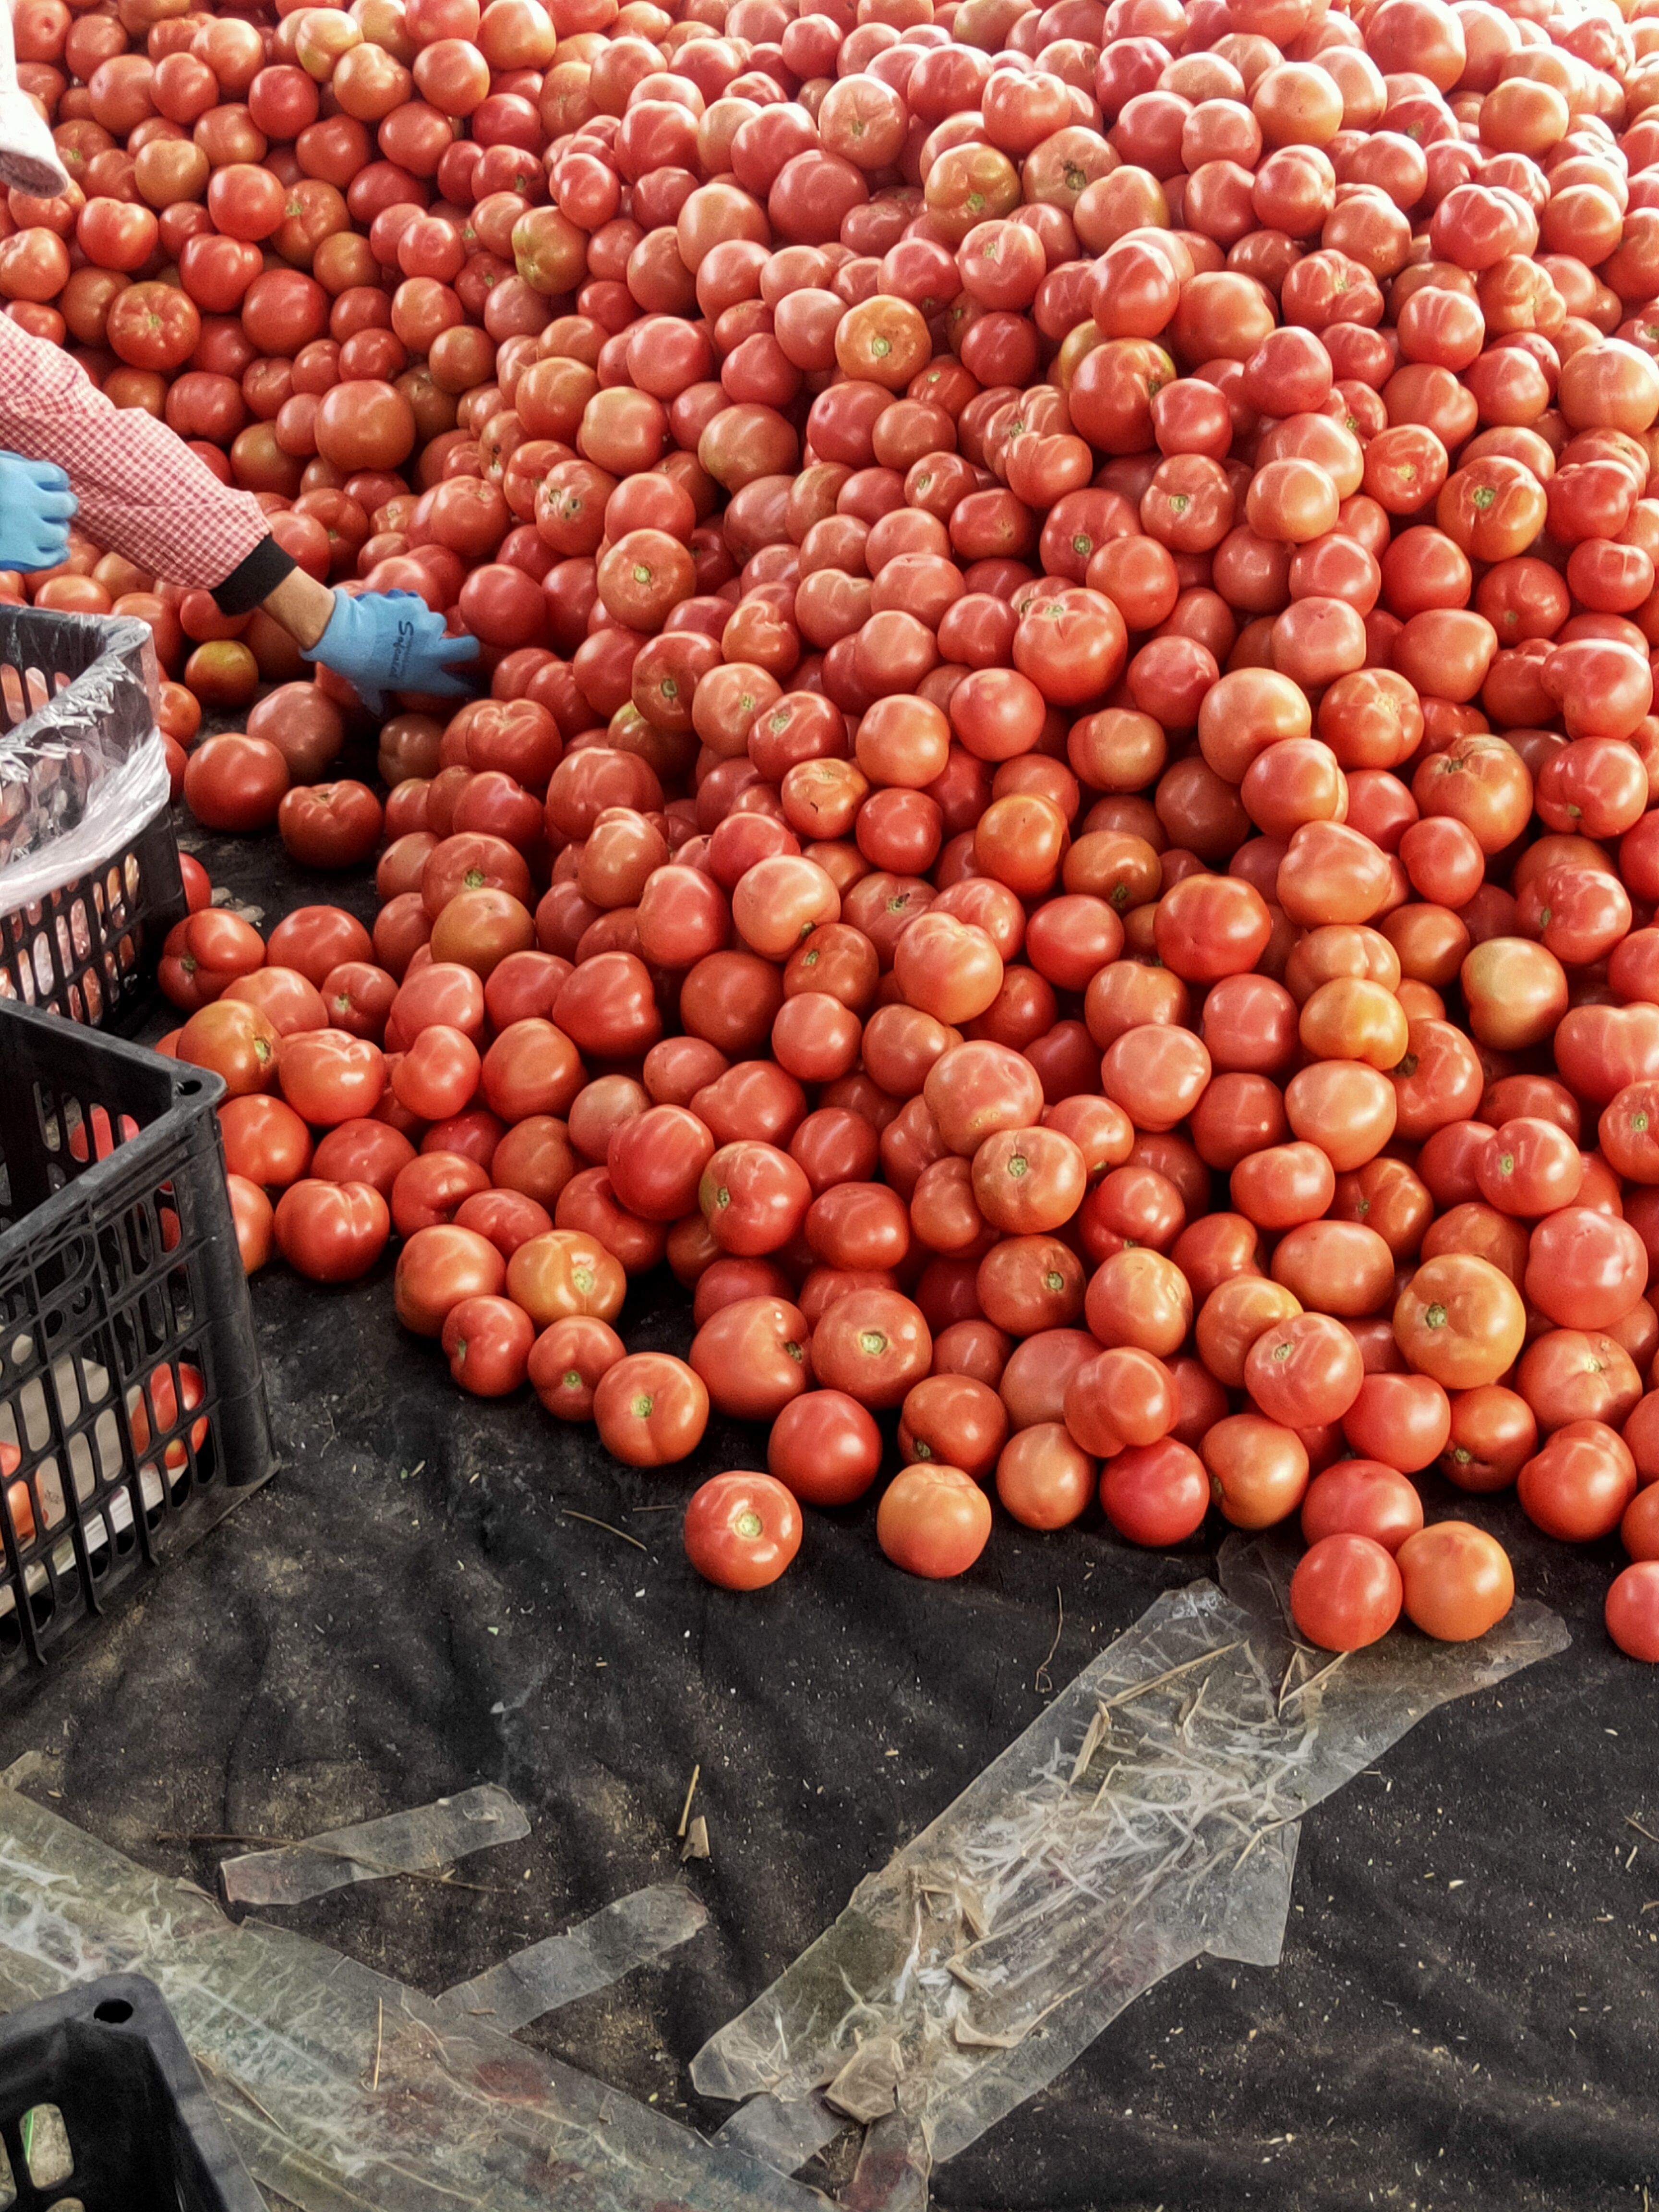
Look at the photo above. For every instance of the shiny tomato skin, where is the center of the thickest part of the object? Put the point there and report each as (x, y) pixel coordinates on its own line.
(363, 1150)
(1461, 1321)
(1577, 1487)
(1345, 1593)
(933, 1520)
(437, 1268)
(825, 1448)
(1493, 1433)
(742, 1530)
(265, 1141)
(331, 1232)
(234, 782)
(874, 1345)
(329, 1076)
(651, 1409)
(1632, 1611)
(1458, 1581)
(316, 938)
(329, 825)
(431, 1188)
(754, 1357)
(1362, 1497)
(1156, 1494)
(1638, 1531)
(753, 1197)
(487, 1342)
(1403, 1420)
(656, 1162)
(568, 1362)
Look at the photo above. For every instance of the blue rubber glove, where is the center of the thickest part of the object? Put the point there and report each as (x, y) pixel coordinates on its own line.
(36, 504)
(385, 641)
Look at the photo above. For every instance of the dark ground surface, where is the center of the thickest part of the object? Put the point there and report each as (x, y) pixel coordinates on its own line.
(1466, 2012)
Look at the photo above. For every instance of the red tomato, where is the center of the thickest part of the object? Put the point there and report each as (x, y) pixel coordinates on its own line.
(825, 1448)
(754, 1357)
(1362, 1497)
(236, 1043)
(753, 1197)
(1156, 1494)
(487, 1342)
(933, 1520)
(254, 1221)
(1345, 1593)
(651, 1409)
(1457, 1581)
(266, 1141)
(742, 1530)
(329, 1076)
(315, 940)
(1577, 1487)
(332, 1232)
(874, 1345)
(363, 1150)
(1044, 1479)
(568, 1362)
(329, 825)
(235, 782)
(437, 1268)
(1632, 1611)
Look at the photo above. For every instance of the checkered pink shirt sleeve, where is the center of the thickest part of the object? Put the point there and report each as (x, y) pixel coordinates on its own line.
(142, 491)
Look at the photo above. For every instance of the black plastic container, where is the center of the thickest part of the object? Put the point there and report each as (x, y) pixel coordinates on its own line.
(101, 2106)
(87, 949)
(132, 1408)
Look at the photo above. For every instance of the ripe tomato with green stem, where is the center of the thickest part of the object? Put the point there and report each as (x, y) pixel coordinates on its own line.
(742, 1530)
(487, 1342)
(651, 1409)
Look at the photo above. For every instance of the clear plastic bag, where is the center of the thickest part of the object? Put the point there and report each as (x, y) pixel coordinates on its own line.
(83, 767)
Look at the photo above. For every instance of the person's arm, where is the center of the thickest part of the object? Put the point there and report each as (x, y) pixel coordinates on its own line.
(302, 606)
(142, 492)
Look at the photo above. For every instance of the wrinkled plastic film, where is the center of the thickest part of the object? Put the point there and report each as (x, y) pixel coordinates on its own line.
(781, 2135)
(895, 2164)
(1148, 1816)
(415, 1842)
(344, 2091)
(38, 857)
(83, 767)
(585, 1958)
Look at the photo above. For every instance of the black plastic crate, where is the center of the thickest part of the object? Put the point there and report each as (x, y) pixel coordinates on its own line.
(102, 2109)
(70, 684)
(132, 1409)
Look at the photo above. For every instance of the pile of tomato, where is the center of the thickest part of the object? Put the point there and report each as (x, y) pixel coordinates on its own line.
(1066, 823)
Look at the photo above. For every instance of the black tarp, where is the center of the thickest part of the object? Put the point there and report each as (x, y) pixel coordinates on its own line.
(1466, 2011)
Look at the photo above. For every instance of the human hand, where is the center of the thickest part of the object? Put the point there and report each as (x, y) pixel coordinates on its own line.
(383, 642)
(36, 505)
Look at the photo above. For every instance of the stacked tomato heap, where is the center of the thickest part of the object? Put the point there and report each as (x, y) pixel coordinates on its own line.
(1064, 822)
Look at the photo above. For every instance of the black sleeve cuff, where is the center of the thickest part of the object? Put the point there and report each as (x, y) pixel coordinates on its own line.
(254, 579)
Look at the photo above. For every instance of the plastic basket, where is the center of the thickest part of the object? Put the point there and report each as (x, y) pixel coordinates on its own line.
(132, 1409)
(75, 697)
(101, 2109)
